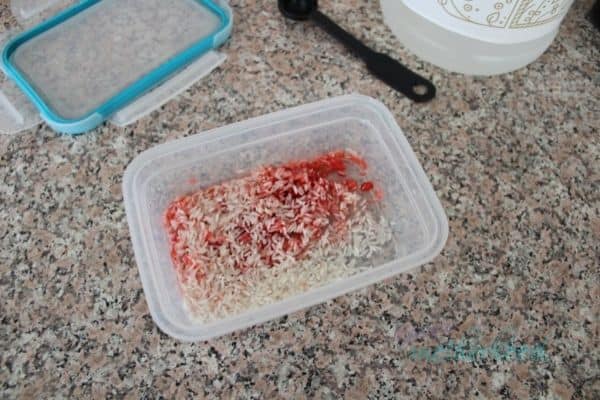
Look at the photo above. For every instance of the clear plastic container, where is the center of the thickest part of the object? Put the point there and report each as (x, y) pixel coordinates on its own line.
(476, 49)
(159, 175)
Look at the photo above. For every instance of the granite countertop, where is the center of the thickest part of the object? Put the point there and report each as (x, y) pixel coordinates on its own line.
(515, 160)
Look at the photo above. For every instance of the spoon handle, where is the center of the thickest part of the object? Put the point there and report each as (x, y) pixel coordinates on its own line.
(340, 34)
(390, 71)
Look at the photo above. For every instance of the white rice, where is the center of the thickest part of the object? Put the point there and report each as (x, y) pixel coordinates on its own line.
(227, 292)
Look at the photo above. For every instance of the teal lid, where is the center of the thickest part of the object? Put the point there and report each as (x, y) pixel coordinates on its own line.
(91, 60)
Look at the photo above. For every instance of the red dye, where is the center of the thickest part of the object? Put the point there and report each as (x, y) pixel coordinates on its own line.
(367, 186)
(276, 212)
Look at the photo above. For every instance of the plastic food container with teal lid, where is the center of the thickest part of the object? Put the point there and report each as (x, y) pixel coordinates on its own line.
(96, 57)
(155, 178)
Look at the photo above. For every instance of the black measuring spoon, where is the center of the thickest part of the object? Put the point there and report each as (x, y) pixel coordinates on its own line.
(412, 85)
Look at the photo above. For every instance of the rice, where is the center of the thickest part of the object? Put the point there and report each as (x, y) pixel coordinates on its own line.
(281, 231)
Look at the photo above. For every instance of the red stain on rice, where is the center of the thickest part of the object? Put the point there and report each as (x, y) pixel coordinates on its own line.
(275, 213)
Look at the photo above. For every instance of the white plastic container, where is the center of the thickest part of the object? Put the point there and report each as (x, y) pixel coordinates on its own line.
(161, 174)
(476, 37)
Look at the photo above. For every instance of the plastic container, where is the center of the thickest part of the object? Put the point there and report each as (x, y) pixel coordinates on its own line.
(159, 175)
(93, 59)
(477, 38)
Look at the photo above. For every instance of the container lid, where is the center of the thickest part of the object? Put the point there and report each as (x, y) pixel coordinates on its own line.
(170, 89)
(96, 57)
(17, 112)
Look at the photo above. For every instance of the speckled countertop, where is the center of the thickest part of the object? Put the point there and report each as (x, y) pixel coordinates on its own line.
(515, 160)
